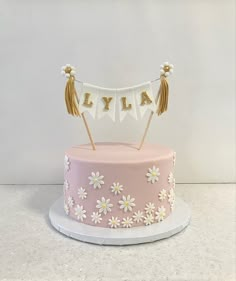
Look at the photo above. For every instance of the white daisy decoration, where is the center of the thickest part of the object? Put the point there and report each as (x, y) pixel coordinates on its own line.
(66, 208)
(96, 180)
(68, 70)
(166, 69)
(162, 195)
(160, 214)
(127, 222)
(138, 216)
(171, 179)
(171, 198)
(104, 205)
(114, 222)
(153, 174)
(82, 193)
(174, 158)
(66, 185)
(149, 219)
(66, 163)
(127, 203)
(70, 201)
(80, 212)
(150, 207)
(96, 217)
(116, 188)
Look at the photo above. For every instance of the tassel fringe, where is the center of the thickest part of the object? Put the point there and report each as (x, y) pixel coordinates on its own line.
(163, 95)
(71, 97)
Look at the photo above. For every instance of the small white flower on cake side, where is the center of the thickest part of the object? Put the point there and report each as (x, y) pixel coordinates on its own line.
(67, 163)
(171, 179)
(162, 195)
(149, 219)
(127, 222)
(153, 174)
(66, 208)
(116, 188)
(114, 222)
(138, 216)
(127, 203)
(150, 207)
(96, 217)
(68, 70)
(66, 185)
(80, 212)
(160, 214)
(171, 198)
(96, 180)
(82, 193)
(104, 205)
(166, 69)
(70, 201)
(174, 158)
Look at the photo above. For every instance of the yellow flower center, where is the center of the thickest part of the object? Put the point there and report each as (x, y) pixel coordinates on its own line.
(126, 203)
(154, 173)
(104, 205)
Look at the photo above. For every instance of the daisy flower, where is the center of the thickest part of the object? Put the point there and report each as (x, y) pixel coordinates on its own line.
(66, 163)
(127, 222)
(96, 217)
(70, 201)
(161, 213)
(116, 188)
(68, 70)
(114, 222)
(153, 174)
(149, 219)
(150, 207)
(80, 212)
(138, 216)
(127, 203)
(82, 193)
(162, 195)
(166, 69)
(104, 205)
(96, 180)
(66, 208)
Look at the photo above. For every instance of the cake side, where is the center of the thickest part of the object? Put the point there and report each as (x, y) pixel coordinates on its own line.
(119, 186)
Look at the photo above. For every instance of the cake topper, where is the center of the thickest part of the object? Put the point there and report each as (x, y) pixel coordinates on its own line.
(100, 101)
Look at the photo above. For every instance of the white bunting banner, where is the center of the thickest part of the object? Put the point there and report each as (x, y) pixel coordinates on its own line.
(100, 102)
(88, 99)
(127, 104)
(106, 104)
(144, 98)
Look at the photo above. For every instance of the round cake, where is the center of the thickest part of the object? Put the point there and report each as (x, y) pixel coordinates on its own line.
(118, 185)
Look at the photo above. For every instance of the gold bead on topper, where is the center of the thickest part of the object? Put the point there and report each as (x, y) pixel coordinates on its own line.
(163, 94)
(71, 97)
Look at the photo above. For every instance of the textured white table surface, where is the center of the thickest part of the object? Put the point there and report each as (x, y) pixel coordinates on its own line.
(30, 249)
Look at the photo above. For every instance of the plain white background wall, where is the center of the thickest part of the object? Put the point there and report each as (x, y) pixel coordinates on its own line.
(117, 44)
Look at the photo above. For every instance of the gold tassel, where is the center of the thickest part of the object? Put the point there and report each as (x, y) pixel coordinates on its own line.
(70, 97)
(163, 95)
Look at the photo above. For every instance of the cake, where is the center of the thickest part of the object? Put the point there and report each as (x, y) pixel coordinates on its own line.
(119, 186)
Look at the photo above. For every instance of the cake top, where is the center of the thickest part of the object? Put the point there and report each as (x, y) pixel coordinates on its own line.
(119, 153)
(100, 101)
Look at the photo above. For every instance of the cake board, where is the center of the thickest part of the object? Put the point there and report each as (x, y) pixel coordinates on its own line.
(173, 224)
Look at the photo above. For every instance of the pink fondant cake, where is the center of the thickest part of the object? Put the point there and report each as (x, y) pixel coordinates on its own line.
(118, 185)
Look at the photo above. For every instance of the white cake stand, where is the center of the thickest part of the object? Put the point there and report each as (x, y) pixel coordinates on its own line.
(173, 224)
